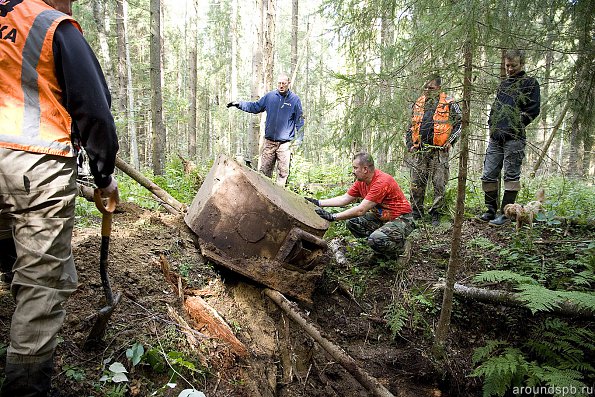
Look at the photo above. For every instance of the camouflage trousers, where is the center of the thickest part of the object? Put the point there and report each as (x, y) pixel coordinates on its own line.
(387, 238)
(37, 199)
(424, 165)
(276, 153)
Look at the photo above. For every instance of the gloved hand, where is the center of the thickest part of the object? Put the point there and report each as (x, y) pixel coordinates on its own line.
(313, 201)
(111, 190)
(325, 215)
(234, 103)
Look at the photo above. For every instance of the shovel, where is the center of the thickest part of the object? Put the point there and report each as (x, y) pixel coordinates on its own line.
(103, 316)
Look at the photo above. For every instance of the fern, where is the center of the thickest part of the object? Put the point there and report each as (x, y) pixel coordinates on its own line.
(491, 276)
(396, 317)
(583, 300)
(502, 371)
(538, 298)
(556, 342)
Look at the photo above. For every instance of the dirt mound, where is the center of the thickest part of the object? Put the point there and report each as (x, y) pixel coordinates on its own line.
(152, 253)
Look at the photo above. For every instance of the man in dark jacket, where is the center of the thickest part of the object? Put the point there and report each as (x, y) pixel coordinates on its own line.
(283, 124)
(52, 92)
(517, 103)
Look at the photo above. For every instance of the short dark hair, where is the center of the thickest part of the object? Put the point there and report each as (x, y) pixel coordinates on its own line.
(434, 77)
(364, 159)
(515, 53)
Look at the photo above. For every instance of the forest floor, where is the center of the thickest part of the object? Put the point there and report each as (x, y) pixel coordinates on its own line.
(352, 307)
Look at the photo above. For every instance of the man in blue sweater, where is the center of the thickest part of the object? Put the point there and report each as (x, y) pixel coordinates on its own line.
(283, 124)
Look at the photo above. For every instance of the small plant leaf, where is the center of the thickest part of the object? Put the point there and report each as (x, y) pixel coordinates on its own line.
(191, 393)
(117, 368)
(119, 377)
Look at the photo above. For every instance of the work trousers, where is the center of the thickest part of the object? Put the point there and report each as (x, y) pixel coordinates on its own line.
(37, 199)
(278, 153)
(426, 164)
(507, 156)
(387, 238)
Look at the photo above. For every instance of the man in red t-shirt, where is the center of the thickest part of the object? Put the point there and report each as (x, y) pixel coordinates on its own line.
(384, 214)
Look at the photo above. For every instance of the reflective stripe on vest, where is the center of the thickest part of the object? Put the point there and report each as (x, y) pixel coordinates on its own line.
(35, 121)
(442, 124)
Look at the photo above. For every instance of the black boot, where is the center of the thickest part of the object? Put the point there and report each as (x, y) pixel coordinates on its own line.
(8, 256)
(508, 198)
(27, 380)
(491, 201)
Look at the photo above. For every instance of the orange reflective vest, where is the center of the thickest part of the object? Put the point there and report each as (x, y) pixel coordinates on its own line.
(442, 124)
(32, 117)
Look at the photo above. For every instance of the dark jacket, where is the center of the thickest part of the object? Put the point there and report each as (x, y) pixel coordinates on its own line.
(517, 103)
(87, 100)
(284, 115)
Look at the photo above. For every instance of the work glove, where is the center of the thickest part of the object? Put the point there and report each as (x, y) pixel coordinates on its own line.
(111, 190)
(325, 215)
(313, 201)
(234, 103)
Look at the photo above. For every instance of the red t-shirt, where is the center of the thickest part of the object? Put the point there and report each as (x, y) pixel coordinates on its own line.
(385, 192)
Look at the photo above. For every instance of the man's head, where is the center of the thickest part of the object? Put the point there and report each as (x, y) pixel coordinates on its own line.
(283, 84)
(64, 6)
(432, 86)
(514, 62)
(363, 167)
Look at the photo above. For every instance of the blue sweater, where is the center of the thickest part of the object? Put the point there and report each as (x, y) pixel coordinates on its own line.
(284, 115)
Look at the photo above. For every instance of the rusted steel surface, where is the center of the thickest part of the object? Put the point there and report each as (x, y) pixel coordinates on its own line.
(250, 225)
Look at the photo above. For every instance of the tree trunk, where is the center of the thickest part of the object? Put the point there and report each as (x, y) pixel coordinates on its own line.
(506, 298)
(192, 81)
(102, 23)
(547, 144)
(158, 125)
(124, 138)
(294, 36)
(455, 247)
(257, 71)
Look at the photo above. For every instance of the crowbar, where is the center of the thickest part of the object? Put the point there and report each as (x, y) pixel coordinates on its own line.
(98, 331)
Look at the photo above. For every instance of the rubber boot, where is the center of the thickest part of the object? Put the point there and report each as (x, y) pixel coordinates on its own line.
(27, 380)
(508, 198)
(491, 201)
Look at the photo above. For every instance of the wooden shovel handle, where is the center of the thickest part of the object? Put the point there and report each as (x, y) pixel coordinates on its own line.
(106, 210)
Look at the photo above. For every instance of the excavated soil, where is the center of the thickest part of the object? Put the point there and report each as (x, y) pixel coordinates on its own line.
(153, 253)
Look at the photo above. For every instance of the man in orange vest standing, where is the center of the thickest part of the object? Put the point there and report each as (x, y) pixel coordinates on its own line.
(52, 94)
(435, 126)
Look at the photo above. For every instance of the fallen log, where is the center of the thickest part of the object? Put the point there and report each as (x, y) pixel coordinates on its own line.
(506, 298)
(202, 313)
(172, 205)
(370, 383)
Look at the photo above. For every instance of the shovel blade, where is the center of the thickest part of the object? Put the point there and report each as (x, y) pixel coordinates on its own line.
(98, 331)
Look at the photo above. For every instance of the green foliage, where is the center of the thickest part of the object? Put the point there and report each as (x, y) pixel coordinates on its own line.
(555, 356)
(175, 181)
(74, 373)
(501, 369)
(566, 347)
(397, 317)
(135, 353)
(491, 276)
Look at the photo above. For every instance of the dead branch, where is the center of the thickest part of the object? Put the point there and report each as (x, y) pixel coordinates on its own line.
(85, 192)
(201, 312)
(498, 297)
(173, 206)
(370, 383)
(337, 248)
